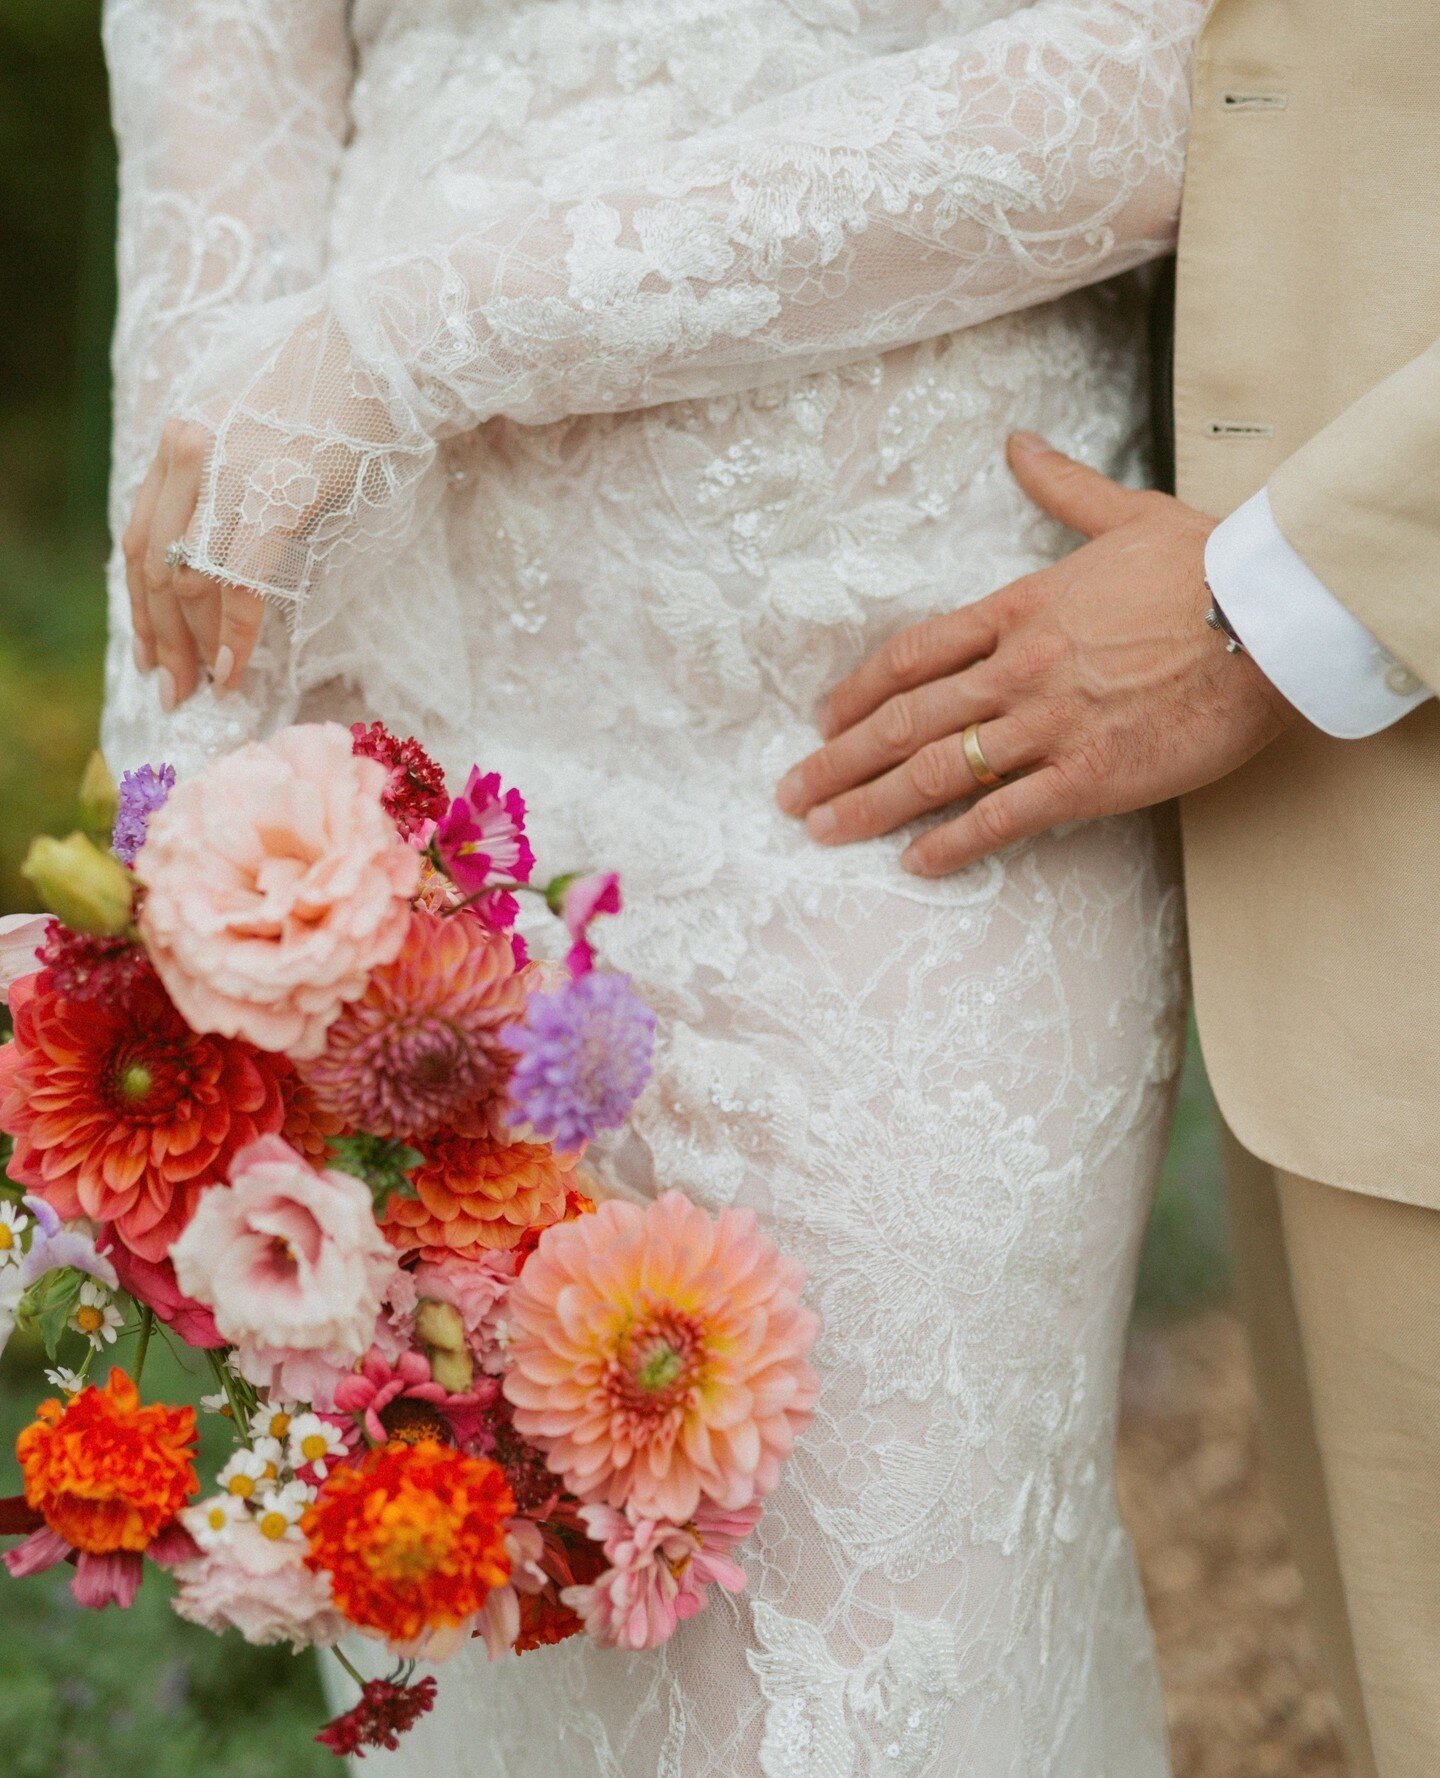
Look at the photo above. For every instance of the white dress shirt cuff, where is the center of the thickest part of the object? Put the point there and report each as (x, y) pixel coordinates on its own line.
(1305, 642)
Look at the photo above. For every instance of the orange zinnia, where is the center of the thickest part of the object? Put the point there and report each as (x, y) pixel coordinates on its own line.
(123, 1114)
(106, 1473)
(475, 1194)
(412, 1537)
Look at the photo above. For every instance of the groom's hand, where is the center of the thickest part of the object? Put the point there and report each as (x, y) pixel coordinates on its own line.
(1096, 684)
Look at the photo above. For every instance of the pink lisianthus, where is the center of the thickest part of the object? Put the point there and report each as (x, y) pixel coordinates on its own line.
(261, 1587)
(477, 1288)
(276, 885)
(659, 1573)
(293, 1266)
(481, 841)
(584, 900)
(153, 1283)
(403, 1401)
(498, 1621)
(21, 936)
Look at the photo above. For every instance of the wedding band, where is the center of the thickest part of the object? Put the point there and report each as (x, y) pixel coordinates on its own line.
(985, 776)
(176, 555)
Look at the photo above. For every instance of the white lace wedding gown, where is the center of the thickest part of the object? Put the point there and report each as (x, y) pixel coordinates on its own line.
(595, 382)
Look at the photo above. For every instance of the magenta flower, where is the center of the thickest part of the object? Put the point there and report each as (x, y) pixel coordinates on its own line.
(584, 899)
(481, 841)
(584, 1056)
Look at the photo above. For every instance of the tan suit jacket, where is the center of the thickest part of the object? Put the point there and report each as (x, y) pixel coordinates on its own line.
(1308, 316)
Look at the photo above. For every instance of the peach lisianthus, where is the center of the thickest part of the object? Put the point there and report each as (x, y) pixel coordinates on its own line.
(276, 885)
(659, 1354)
(290, 1261)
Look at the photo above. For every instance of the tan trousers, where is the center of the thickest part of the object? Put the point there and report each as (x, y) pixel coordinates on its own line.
(1342, 1296)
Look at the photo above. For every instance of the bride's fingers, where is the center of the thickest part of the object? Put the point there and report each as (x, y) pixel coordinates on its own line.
(133, 544)
(888, 736)
(1030, 805)
(175, 650)
(933, 649)
(241, 613)
(937, 774)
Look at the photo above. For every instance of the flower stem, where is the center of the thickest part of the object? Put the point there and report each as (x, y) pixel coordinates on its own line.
(221, 1372)
(348, 1665)
(147, 1327)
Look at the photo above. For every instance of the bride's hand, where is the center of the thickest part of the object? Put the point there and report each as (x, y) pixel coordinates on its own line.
(1092, 688)
(186, 623)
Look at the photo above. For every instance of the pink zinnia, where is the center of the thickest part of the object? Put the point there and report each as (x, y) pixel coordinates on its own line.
(401, 1401)
(422, 1048)
(659, 1355)
(659, 1574)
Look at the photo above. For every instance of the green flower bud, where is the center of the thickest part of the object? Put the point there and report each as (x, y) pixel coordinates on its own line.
(438, 1325)
(453, 1371)
(99, 797)
(86, 889)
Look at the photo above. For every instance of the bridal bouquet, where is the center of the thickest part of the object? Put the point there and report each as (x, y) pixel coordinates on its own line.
(286, 1089)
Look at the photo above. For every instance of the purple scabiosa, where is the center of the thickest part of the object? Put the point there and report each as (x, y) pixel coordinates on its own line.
(584, 1058)
(142, 792)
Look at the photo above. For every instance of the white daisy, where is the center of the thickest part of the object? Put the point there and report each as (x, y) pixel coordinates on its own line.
(272, 1454)
(245, 1475)
(316, 1442)
(218, 1403)
(272, 1419)
(13, 1224)
(67, 1381)
(95, 1316)
(209, 1521)
(281, 1510)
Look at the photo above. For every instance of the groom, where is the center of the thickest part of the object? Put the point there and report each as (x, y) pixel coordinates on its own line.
(1275, 670)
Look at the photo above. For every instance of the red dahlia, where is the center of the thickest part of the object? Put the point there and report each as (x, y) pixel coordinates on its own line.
(123, 1114)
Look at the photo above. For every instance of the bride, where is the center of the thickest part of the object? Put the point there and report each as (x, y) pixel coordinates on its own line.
(588, 385)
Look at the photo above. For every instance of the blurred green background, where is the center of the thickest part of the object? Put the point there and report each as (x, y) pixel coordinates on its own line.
(83, 1692)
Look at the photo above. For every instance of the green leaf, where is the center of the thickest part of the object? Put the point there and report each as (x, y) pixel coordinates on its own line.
(385, 1166)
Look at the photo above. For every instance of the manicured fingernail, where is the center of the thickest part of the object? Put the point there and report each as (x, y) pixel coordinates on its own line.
(166, 682)
(224, 667)
(790, 793)
(912, 861)
(820, 823)
(1028, 441)
(144, 660)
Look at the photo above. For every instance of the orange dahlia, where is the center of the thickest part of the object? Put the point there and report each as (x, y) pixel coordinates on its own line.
(107, 1473)
(123, 1114)
(658, 1354)
(475, 1194)
(308, 1127)
(421, 1049)
(412, 1538)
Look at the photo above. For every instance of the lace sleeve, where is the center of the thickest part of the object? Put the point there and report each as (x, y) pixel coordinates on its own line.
(230, 116)
(920, 193)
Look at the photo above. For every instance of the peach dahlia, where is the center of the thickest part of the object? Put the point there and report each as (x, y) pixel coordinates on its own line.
(658, 1355)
